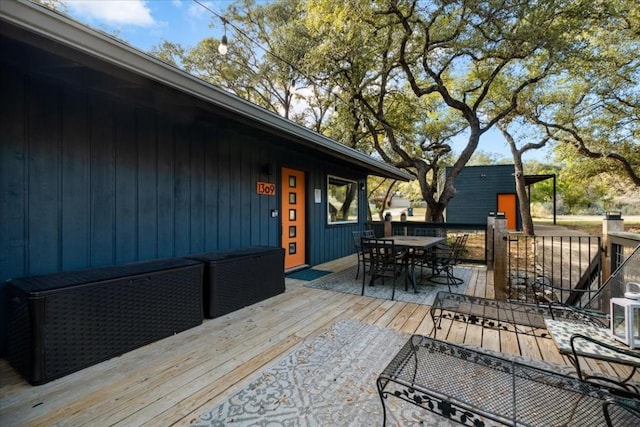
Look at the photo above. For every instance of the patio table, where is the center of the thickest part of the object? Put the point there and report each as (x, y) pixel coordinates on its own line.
(476, 389)
(415, 242)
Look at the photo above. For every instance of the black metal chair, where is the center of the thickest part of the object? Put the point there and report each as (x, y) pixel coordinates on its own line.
(618, 411)
(385, 261)
(444, 259)
(363, 257)
(621, 384)
(424, 232)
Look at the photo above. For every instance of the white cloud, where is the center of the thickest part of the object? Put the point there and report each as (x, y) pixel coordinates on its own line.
(196, 11)
(128, 12)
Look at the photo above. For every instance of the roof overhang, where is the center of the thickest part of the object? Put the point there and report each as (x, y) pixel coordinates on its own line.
(532, 179)
(61, 29)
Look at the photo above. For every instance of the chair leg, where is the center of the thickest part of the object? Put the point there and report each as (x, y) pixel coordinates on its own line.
(454, 280)
(393, 289)
(364, 276)
(358, 270)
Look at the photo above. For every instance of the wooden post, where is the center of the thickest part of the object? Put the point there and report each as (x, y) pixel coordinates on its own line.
(491, 222)
(387, 225)
(403, 218)
(612, 222)
(500, 258)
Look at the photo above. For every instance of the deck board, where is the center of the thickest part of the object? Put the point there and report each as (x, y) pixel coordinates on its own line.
(176, 379)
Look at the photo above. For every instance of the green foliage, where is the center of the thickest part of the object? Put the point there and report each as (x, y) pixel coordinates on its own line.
(171, 53)
(400, 79)
(480, 158)
(57, 5)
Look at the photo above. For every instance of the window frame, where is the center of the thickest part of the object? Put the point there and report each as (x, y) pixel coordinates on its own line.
(333, 180)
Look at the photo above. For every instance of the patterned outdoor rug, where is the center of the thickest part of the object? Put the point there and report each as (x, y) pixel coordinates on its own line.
(328, 381)
(345, 281)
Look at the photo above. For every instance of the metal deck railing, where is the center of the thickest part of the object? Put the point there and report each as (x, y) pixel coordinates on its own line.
(564, 269)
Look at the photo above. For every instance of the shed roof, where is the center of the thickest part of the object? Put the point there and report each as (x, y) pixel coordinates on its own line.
(99, 45)
(533, 179)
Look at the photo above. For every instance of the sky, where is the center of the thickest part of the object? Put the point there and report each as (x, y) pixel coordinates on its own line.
(146, 23)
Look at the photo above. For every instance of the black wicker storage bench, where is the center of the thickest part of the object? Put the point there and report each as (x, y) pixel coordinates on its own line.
(236, 278)
(61, 323)
(478, 389)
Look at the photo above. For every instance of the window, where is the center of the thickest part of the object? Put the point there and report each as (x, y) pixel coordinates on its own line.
(342, 200)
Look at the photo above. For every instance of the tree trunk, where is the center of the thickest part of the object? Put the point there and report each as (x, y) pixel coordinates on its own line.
(521, 187)
(387, 200)
(523, 197)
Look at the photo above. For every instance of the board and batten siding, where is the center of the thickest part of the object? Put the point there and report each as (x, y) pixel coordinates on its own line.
(477, 188)
(327, 241)
(89, 179)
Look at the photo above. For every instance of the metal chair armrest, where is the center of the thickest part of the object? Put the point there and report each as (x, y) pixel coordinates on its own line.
(623, 387)
(631, 406)
(613, 348)
(577, 314)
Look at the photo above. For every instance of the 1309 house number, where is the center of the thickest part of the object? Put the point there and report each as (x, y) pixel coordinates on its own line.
(266, 188)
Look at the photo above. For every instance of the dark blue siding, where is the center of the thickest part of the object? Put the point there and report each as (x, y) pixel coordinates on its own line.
(43, 175)
(147, 186)
(198, 227)
(328, 240)
(90, 179)
(101, 196)
(126, 185)
(13, 154)
(75, 183)
(166, 201)
(477, 189)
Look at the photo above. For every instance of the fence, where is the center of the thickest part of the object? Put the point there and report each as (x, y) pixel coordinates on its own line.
(564, 269)
(567, 269)
(627, 271)
(474, 252)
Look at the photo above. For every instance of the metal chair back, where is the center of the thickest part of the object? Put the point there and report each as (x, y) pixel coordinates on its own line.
(385, 261)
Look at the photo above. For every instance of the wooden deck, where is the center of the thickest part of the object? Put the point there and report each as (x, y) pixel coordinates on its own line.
(175, 380)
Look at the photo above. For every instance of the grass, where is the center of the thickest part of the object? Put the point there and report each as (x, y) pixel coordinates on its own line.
(591, 225)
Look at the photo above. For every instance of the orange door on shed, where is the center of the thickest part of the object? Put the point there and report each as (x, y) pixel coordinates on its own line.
(507, 204)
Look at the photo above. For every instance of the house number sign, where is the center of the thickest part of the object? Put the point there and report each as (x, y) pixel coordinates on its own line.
(266, 188)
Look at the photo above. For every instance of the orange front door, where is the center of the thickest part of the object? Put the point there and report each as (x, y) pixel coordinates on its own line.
(507, 204)
(293, 218)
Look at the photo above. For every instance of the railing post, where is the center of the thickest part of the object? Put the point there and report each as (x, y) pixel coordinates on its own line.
(612, 222)
(388, 232)
(491, 222)
(500, 256)
(403, 218)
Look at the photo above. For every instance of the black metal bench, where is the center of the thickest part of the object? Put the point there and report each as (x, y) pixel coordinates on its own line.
(505, 315)
(477, 389)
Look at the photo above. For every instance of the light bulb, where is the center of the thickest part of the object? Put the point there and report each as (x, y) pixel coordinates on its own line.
(222, 47)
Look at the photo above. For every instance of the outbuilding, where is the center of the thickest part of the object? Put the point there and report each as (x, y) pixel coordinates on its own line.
(481, 190)
(486, 189)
